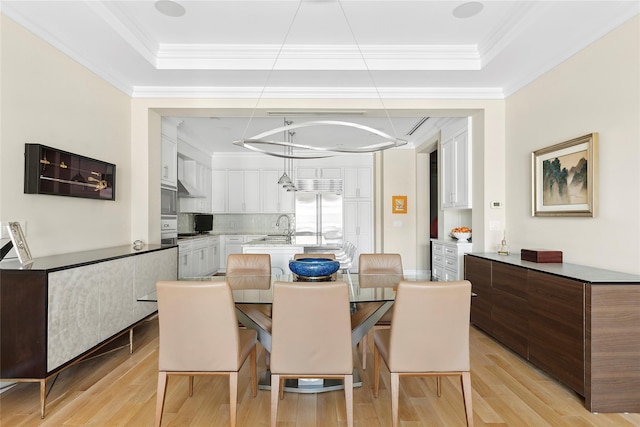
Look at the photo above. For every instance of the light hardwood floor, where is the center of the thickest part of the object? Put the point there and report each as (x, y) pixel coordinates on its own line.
(119, 389)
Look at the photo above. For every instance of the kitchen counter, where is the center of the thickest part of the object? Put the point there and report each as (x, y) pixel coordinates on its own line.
(313, 241)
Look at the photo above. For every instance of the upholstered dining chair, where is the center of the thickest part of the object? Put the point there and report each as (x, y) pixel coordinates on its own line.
(199, 335)
(311, 337)
(442, 310)
(248, 264)
(377, 264)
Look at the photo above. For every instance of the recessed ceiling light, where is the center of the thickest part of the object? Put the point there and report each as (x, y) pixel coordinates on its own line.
(170, 8)
(467, 10)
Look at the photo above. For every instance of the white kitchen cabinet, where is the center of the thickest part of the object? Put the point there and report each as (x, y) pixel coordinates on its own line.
(198, 257)
(185, 263)
(456, 172)
(274, 197)
(358, 182)
(358, 226)
(219, 191)
(169, 162)
(447, 259)
(243, 191)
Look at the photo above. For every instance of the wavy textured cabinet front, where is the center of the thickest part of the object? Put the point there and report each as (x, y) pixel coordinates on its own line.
(50, 318)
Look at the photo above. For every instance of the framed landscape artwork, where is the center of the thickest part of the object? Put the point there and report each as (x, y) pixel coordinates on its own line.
(565, 178)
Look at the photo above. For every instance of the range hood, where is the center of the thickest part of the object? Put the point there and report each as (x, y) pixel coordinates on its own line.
(187, 190)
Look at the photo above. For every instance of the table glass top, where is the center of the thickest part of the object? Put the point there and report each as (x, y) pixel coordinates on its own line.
(258, 289)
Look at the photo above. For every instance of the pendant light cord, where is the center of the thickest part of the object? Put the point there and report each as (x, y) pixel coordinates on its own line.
(273, 66)
(366, 66)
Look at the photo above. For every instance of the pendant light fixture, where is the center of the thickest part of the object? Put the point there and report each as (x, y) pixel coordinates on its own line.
(261, 142)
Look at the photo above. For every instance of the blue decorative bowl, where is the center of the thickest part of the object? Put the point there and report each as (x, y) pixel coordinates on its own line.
(314, 267)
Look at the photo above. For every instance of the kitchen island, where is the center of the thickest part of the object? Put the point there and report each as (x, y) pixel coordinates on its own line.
(282, 248)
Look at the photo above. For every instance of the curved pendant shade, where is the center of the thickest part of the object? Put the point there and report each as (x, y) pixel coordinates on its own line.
(261, 144)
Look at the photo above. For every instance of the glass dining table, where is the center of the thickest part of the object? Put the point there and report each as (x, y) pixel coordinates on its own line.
(371, 296)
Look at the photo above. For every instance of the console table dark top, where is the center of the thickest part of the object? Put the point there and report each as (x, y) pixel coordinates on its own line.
(571, 271)
(78, 259)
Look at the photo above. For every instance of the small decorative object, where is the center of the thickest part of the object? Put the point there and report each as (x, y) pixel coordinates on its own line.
(19, 243)
(138, 244)
(314, 268)
(399, 204)
(565, 178)
(51, 171)
(540, 255)
(504, 248)
(462, 234)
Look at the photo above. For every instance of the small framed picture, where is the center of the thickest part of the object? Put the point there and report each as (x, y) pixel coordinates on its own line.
(565, 178)
(19, 243)
(399, 204)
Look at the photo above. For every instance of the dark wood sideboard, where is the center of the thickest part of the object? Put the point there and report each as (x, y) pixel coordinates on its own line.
(62, 308)
(579, 324)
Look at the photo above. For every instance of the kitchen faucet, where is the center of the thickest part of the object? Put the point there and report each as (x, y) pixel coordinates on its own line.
(288, 223)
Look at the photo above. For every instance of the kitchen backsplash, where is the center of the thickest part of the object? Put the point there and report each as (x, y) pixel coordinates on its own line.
(239, 223)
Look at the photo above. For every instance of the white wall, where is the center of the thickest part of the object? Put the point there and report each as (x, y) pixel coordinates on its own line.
(49, 99)
(597, 90)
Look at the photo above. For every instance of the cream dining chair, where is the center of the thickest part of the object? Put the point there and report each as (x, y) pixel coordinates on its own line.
(441, 309)
(311, 337)
(377, 264)
(199, 335)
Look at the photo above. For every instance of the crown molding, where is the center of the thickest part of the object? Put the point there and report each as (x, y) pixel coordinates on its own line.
(315, 57)
(316, 92)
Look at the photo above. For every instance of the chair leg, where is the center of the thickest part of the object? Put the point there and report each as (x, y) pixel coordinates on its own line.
(254, 372)
(348, 395)
(363, 348)
(281, 385)
(466, 394)
(439, 385)
(191, 385)
(376, 371)
(160, 393)
(233, 398)
(275, 396)
(395, 397)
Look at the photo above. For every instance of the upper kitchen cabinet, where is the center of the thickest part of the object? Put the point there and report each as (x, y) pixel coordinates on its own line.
(456, 166)
(243, 190)
(169, 173)
(358, 182)
(274, 197)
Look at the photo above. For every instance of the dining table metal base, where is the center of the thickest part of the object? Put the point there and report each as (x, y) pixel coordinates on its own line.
(308, 385)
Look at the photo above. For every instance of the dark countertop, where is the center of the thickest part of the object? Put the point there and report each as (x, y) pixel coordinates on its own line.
(76, 259)
(571, 271)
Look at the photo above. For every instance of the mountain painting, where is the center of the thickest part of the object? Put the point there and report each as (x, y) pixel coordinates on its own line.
(564, 179)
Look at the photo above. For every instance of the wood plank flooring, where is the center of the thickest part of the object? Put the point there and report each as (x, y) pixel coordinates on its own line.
(119, 389)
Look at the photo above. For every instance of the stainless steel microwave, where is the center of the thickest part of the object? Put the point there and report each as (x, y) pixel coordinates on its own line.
(168, 201)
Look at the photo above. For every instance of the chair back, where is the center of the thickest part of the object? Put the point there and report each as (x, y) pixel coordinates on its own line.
(430, 327)
(198, 326)
(380, 264)
(249, 264)
(311, 329)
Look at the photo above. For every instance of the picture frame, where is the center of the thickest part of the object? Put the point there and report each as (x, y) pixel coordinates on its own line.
(399, 204)
(19, 242)
(565, 178)
(56, 172)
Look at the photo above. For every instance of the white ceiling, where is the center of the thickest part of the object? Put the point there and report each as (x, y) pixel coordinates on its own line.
(318, 49)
